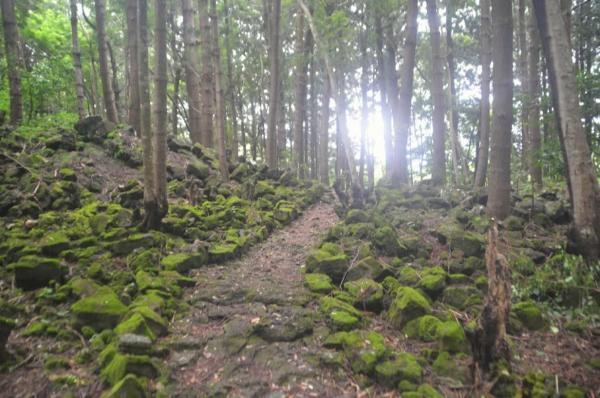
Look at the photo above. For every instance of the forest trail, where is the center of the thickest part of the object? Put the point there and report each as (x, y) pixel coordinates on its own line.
(249, 330)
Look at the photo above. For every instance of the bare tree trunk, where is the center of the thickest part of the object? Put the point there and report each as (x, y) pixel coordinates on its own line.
(364, 118)
(114, 79)
(438, 172)
(300, 97)
(324, 138)
(220, 100)
(107, 89)
(498, 204)
(192, 77)
(133, 68)
(385, 106)
(533, 117)
(76, 54)
(484, 106)
(11, 43)
(523, 76)
(585, 192)
(314, 117)
(274, 50)
(406, 91)
(207, 81)
(175, 103)
(230, 85)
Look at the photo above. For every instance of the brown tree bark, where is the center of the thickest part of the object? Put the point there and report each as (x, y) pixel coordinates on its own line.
(523, 77)
(274, 50)
(484, 106)
(132, 65)
(76, 54)
(11, 44)
(498, 204)
(438, 172)
(192, 76)
(583, 182)
(385, 106)
(324, 136)
(231, 86)
(300, 96)
(107, 88)
(534, 94)
(207, 80)
(219, 97)
(364, 117)
(314, 116)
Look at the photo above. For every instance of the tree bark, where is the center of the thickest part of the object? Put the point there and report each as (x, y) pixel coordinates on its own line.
(219, 97)
(314, 116)
(523, 77)
(11, 44)
(484, 106)
(364, 118)
(230, 86)
(533, 117)
(324, 136)
(585, 192)
(438, 172)
(133, 69)
(385, 106)
(76, 54)
(498, 204)
(207, 81)
(300, 96)
(107, 89)
(192, 77)
(274, 50)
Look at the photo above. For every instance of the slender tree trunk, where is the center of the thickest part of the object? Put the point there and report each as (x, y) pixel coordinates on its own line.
(484, 106)
(76, 53)
(534, 94)
(133, 69)
(364, 118)
(219, 99)
(406, 90)
(314, 117)
(523, 76)
(114, 79)
(207, 81)
(230, 85)
(585, 192)
(11, 44)
(438, 172)
(393, 98)
(324, 137)
(107, 89)
(175, 103)
(498, 204)
(385, 106)
(274, 85)
(300, 97)
(192, 77)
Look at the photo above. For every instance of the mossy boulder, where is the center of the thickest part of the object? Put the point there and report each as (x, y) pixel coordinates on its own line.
(470, 243)
(120, 365)
(451, 337)
(221, 252)
(183, 262)
(285, 212)
(356, 216)
(129, 387)
(408, 276)
(329, 260)
(424, 328)
(423, 391)
(54, 243)
(366, 293)
(369, 267)
(341, 315)
(131, 243)
(135, 324)
(433, 282)
(33, 272)
(364, 350)
(407, 305)
(404, 367)
(445, 366)
(198, 169)
(386, 241)
(529, 314)
(342, 320)
(461, 296)
(101, 310)
(157, 324)
(318, 283)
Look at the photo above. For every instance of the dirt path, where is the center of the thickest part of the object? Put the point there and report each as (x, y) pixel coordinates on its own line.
(249, 331)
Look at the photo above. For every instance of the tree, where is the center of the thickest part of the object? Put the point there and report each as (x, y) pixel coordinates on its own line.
(533, 113)
(274, 50)
(11, 44)
(438, 173)
(105, 76)
(523, 76)
(219, 100)
(324, 138)
(383, 95)
(300, 96)
(484, 106)
(134, 111)
(583, 182)
(498, 204)
(76, 53)
(207, 80)
(192, 81)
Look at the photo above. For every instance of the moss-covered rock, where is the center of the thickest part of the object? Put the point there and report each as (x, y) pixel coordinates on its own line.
(129, 387)
(285, 212)
(223, 252)
(461, 296)
(424, 328)
(54, 243)
(470, 243)
(445, 366)
(135, 324)
(341, 315)
(32, 272)
(451, 337)
(529, 314)
(131, 243)
(367, 294)
(408, 276)
(407, 305)
(318, 283)
(356, 216)
(403, 367)
(423, 391)
(342, 320)
(101, 310)
(385, 240)
(197, 168)
(183, 262)
(369, 267)
(120, 365)
(329, 260)
(433, 282)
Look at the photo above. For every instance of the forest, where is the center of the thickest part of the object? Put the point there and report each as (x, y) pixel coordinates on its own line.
(300, 198)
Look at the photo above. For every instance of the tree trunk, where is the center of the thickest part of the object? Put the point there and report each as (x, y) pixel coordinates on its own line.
(585, 192)
(484, 106)
(314, 117)
(385, 106)
(11, 44)
(274, 50)
(114, 79)
(523, 76)
(133, 69)
(219, 99)
(438, 172)
(231, 85)
(76, 53)
(192, 77)
(364, 118)
(300, 97)
(533, 117)
(324, 137)
(406, 90)
(107, 89)
(498, 204)
(207, 80)
(160, 112)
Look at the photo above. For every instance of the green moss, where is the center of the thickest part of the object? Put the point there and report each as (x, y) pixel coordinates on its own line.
(355, 216)
(433, 282)
(368, 267)
(131, 243)
(183, 262)
(329, 261)
(157, 324)
(330, 304)
(386, 240)
(460, 296)
(54, 243)
(451, 337)
(56, 363)
(404, 367)
(82, 287)
(129, 387)
(408, 276)
(529, 314)
(120, 365)
(223, 252)
(135, 324)
(341, 320)
(101, 310)
(32, 272)
(390, 284)
(407, 305)
(365, 352)
(318, 283)
(424, 328)
(367, 294)
(446, 367)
